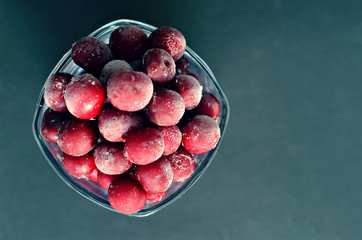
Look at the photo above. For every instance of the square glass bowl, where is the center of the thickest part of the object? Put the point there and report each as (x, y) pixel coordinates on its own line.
(92, 190)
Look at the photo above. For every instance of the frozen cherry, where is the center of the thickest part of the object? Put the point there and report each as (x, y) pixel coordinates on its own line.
(166, 107)
(51, 123)
(182, 66)
(126, 195)
(144, 146)
(54, 89)
(105, 180)
(155, 177)
(182, 163)
(196, 77)
(129, 91)
(189, 89)
(77, 137)
(209, 105)
(172, 138)
(128, 42)
(201, 134)
(79, 167)
(91, 54)
(113, 67)
(169, 39)
(154, 197)
(93, 176)
(85, 96)
(110, 158)
(159, 65)
(115, 124)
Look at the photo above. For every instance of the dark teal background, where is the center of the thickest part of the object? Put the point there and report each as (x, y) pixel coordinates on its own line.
(291, 161)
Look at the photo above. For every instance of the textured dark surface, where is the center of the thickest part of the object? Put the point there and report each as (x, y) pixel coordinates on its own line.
(290, 164)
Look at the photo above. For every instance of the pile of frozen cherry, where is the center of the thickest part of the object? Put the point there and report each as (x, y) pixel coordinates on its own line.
(134, 120)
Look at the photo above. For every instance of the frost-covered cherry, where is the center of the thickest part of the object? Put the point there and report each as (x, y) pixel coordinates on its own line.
(209, 105)
(77, 137)
(154, 197)
(144, 146)
(166, 107)
(115, 124)
(182, 163)
(51, 123)
(54, 89)
(91, 54)
(111, 159)
(85, 96)
(113, 67)
(126, 195)
(129, 91)
(169, 39)
(200, 134)
(189, 89)
(93, 176)
(105, 180)
(155, 177)
(128, 42)
(182, 66)
(159, 65)
(172, 138)
(79, 167)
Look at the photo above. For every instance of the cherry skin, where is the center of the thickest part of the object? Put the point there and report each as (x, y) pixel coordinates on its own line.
(85, 96)
(182, 163)
(155, 177)
(189, 89)
(79, 167)
(113, 67)
(105, 180)
(54, 89)
(114, 124)
(77, 137)
(201, 134)
(182, 66)
(154, 197)
(209, 105)
(144, 146)
(110, 158)
(128, 42)
(159, 65)
(93, 176)
(126, 195)
(172, 138)
(129, 91)
(91, 54)
(169, 39)
(51, 123)
(166, 107)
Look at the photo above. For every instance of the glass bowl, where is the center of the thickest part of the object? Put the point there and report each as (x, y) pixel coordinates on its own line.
(92, 190)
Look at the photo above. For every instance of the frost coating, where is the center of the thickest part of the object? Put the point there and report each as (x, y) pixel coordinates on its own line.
(84, 96)
(155, 177)
(201, 134)
(76, 137)
(172, 137)
(113, 67)
(189, 89)
(110, 158)
(54, 90)
(166, 107)
(129, 91)
(115, 124)
(144, 146)
(182, 163)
